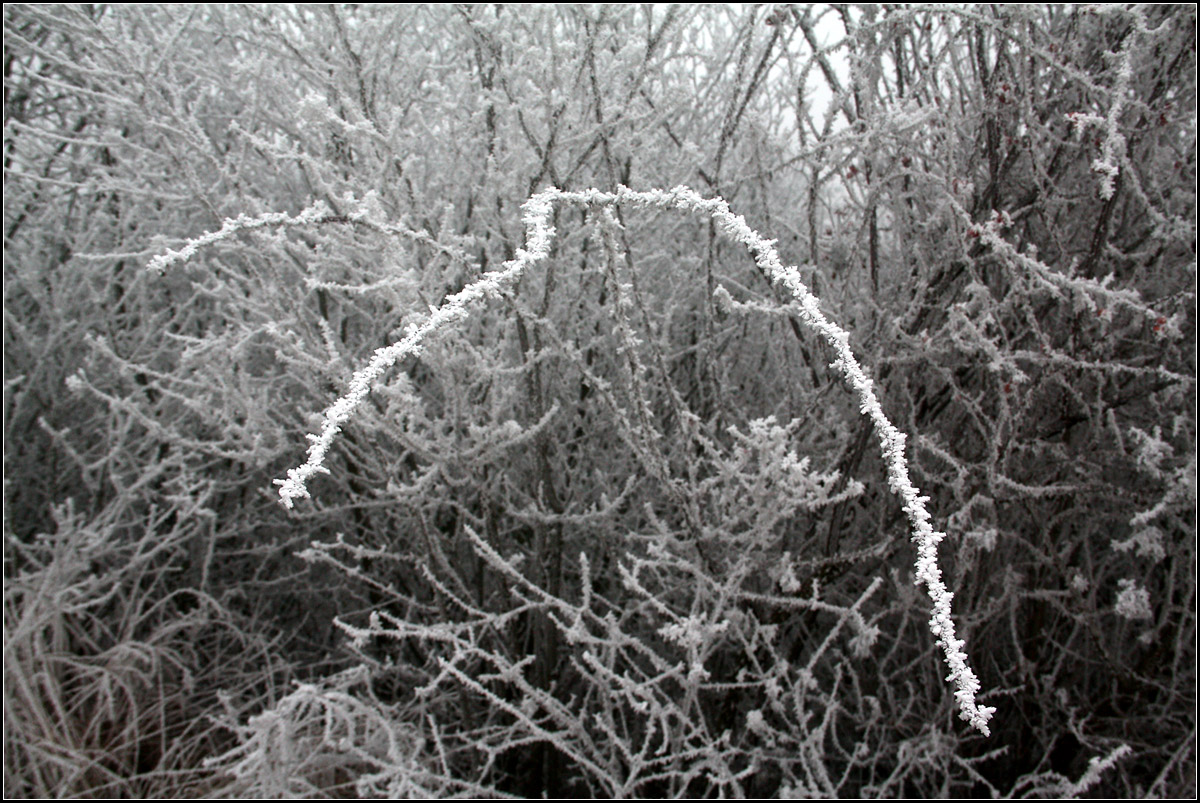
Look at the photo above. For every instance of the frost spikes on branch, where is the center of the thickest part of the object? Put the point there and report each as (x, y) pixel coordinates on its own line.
(539, 233)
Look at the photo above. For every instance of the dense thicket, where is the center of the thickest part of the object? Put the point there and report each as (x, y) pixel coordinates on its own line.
(624, 531)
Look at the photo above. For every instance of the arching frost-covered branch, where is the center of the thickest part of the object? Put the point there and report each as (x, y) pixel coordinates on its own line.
(539, 235)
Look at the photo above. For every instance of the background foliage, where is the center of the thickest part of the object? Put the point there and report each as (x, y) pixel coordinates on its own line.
(626, 532)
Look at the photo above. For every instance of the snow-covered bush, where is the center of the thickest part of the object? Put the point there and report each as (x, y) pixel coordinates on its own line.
(620, 525)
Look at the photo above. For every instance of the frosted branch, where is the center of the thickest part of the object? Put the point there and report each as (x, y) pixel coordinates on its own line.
(317, 213)
(539, 234)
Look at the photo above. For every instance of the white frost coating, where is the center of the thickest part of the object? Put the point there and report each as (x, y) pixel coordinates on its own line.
(1112, 149)
(316, 213)
(1133, 601)
(539, 234)
(1096, 766)
(891, 440)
